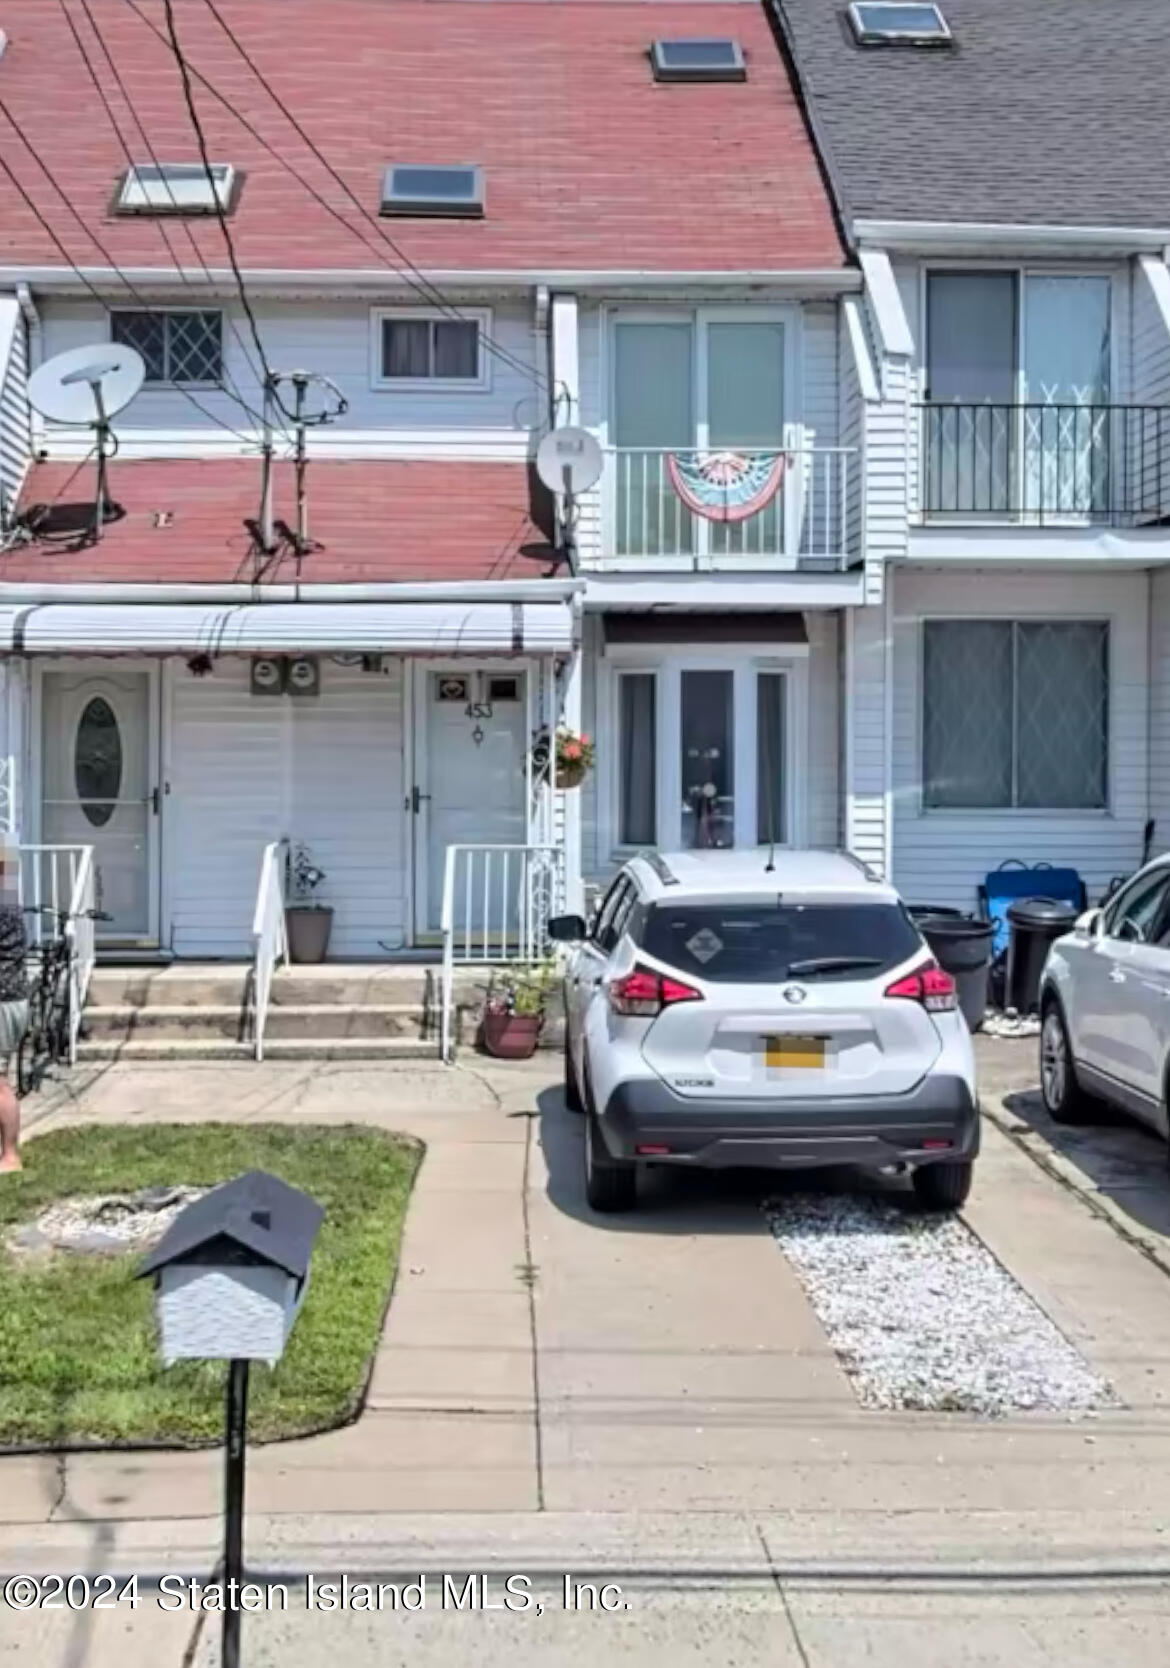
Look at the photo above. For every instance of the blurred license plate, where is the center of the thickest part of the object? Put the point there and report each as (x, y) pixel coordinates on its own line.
(801, 1053)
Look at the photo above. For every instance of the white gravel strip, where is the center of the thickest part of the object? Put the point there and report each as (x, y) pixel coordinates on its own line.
(923, 1316)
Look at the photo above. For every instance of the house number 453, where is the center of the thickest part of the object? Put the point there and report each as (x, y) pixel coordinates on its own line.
(478, 709)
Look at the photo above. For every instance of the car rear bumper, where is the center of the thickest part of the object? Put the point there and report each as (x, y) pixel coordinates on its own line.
(874, 1132)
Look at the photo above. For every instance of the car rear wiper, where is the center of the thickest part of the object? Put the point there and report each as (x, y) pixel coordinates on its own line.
(831, 964)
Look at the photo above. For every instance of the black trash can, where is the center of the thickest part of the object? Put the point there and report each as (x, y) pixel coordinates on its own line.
(1034, 924)
(962, 947)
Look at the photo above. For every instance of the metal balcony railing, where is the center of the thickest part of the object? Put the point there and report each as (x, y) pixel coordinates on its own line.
(809, 512)
(1045, 464)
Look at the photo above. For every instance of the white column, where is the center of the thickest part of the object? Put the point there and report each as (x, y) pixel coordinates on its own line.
(866, 731)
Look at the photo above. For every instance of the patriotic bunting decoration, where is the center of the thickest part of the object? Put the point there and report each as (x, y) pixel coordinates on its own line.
(726, 486)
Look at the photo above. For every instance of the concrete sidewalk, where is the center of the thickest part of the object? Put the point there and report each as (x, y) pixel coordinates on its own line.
(557, 1389)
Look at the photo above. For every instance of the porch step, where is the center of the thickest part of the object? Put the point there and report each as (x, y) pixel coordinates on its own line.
(191, 1022)
(193, 984)
(288, 1048)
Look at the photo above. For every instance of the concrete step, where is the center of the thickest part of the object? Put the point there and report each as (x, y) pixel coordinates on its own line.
(288, 1048)
(198, 985)
(212, 1021)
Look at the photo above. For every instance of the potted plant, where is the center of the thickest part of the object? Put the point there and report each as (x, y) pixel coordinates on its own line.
(514, 1012)
(309, 923)
(573, 756)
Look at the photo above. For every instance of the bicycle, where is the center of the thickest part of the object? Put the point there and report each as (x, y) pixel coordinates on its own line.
(46, 1038)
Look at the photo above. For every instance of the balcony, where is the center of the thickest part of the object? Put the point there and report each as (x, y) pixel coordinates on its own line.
(1046, 465)
(797, 507)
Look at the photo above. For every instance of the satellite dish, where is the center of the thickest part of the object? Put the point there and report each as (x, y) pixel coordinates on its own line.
(88, 385)
(86, 388)
(569, 460)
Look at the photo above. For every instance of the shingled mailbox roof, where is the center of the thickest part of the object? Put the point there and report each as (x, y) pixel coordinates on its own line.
(1042, 112)
(257, 1213)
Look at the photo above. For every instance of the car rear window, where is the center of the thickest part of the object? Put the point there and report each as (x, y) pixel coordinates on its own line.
(758, 944)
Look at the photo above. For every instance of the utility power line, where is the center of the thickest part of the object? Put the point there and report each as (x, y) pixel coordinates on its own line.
(270, 386)
(228, 384)
(31, 204)
(414, 278)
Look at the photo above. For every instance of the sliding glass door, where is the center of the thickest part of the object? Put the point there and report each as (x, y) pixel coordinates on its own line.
(1018, 386)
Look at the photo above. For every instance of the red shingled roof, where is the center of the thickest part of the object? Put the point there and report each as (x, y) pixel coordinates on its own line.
(382, 521)
(589, 164)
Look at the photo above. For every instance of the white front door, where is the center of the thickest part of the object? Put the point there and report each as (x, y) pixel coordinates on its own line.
(471, 736)
(99, 785)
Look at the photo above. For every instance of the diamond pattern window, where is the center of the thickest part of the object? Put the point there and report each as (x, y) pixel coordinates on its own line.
(176, 188)
(1015, 714)
(421, 350)
(177, 347)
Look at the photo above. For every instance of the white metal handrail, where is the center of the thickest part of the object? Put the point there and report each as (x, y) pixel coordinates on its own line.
(497, 901)
(59, 884)
(807, 518)
(270, 937)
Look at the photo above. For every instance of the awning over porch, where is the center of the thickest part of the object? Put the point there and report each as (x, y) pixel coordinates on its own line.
(430, 628)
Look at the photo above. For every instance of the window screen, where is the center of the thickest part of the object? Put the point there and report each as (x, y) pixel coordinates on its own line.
(1015, 714)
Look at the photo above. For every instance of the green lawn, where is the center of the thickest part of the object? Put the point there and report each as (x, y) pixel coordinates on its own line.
(78, 1353)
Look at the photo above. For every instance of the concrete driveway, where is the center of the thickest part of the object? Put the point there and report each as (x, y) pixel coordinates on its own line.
(649, 1398)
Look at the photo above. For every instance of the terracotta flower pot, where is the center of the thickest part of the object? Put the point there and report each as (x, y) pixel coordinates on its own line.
(309, 927)
(511, 1036)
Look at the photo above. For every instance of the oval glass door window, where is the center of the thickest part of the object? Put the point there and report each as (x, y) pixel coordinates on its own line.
(97, 761)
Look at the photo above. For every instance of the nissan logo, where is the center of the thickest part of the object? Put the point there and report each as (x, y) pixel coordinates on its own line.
(794, 993)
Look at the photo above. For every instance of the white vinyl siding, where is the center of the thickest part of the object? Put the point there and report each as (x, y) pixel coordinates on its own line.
(335, 337)
(15, 438)
(941, 855)
(245, 770)
(1159, 588)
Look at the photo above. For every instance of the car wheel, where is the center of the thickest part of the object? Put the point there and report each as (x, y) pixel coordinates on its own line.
(610, 1185)
(1064, 1099)
(942, 1186)
(572, 1088)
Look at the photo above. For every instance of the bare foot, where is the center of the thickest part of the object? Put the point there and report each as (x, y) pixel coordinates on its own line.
(10, 1161)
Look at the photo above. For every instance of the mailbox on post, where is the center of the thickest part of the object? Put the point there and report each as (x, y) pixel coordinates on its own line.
(230, 1276)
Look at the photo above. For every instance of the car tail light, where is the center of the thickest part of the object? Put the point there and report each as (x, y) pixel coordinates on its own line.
(930, 986)
(644, 993)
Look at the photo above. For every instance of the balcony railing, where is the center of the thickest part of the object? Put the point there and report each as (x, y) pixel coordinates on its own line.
(1046, 464)
(807, 496)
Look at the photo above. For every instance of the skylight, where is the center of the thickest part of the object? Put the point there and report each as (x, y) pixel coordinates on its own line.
(698, 60)
(176, 188)
(886, 23)
(445, 191)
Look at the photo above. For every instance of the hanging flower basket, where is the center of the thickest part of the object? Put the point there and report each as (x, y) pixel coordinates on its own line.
(573, 758)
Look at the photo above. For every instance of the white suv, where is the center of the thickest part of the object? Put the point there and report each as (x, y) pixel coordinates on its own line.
(724, 1009)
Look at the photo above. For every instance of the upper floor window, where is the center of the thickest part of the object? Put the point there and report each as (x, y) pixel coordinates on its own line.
(1015, 714)
(698, 409)
(1017, 386)
(415, 349)
(184, 347)
(176, 188)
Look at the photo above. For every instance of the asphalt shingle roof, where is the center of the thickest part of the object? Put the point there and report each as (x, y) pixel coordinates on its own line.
(1046, 112)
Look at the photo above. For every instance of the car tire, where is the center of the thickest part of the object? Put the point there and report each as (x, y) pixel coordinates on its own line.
(943, 1186)
(1064, 1100)
(610, 1184)
(572, 1088)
